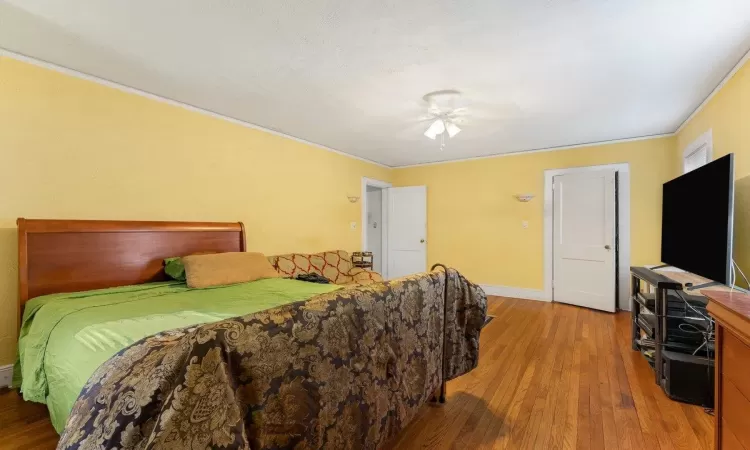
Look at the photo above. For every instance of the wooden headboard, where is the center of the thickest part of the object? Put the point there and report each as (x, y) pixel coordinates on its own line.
(77, 255)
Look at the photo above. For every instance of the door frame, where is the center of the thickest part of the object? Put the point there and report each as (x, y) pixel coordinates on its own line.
(623, 225)
(383, 185)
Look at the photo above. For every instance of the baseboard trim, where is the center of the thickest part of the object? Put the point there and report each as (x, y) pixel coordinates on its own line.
(514, 292)
(6, 376)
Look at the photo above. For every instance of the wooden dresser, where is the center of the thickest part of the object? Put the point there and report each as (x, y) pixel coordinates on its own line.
(731, 310)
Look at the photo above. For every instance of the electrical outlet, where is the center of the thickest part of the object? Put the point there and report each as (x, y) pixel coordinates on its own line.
(6, 376)
(525, 224)
(353, 225)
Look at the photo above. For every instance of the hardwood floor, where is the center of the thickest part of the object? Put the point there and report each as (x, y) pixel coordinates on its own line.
(557, 376)
(24, 425)
(550, 376)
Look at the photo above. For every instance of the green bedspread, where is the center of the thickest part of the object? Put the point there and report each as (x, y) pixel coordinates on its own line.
(65, 337)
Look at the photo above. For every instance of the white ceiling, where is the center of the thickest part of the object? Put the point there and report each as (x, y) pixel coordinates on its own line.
(350, 74)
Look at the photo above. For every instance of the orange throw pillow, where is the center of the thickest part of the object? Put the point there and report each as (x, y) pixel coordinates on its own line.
(221, 269)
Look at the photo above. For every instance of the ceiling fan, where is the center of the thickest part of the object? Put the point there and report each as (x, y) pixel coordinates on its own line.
(449, 111)
(443, 114)
(440, 126)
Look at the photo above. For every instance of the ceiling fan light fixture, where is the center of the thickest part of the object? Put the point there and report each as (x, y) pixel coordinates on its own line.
(437, 127)
(452, 129)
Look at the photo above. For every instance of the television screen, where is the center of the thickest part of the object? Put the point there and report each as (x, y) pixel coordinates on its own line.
(696, 221)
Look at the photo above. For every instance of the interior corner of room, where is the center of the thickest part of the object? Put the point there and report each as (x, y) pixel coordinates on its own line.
(492, 222)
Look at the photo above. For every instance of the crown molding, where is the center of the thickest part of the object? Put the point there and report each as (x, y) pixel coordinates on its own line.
(149, 95)
(716, 90)
(541, 150)
(169, 101)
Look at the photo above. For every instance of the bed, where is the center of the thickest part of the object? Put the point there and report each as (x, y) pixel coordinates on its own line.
(126, 358)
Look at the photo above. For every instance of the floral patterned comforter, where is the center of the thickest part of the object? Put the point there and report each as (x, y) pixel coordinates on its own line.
(348, 369)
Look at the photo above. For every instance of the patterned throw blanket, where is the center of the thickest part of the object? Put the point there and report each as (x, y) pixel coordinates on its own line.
(343, 370)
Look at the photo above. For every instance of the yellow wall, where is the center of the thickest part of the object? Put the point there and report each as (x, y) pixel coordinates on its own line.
(728, 115)
(73, 149)
(474, 222)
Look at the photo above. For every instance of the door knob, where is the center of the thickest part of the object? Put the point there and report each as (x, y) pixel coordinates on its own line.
(421, 241)
(607, 247)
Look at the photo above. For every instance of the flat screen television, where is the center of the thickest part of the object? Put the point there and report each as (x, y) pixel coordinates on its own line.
(697, 219)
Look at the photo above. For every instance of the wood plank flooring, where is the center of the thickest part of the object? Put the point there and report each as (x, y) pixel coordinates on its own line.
(551, 376)
(554, 376)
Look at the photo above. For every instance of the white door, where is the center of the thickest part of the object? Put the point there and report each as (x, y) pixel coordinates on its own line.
(584, 239)
(407, 231)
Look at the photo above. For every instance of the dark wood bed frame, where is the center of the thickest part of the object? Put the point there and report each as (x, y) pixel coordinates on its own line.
(77, 255)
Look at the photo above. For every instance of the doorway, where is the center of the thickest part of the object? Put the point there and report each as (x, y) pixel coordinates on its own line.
(374, 221)
(375, 226)
(587, 236)
(394, 227)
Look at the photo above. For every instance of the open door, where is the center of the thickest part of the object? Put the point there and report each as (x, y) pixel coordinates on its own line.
(407, 231)
(583, 249)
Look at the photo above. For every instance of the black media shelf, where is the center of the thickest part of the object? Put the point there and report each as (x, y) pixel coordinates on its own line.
(662, 324)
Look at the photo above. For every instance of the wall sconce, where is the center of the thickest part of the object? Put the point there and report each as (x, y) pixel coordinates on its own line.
(524, 198)
(352, 198)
